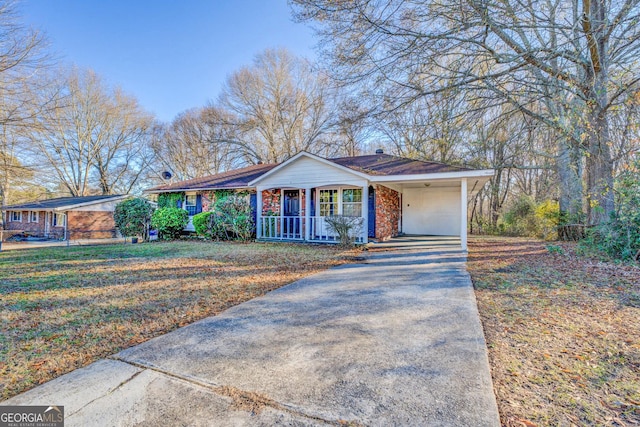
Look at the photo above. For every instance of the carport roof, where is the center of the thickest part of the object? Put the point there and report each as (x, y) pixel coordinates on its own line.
(384, 164)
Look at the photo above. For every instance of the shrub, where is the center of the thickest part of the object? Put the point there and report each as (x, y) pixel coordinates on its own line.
(201, 222)
(132, 217)
(620, 236)
(526, 218)
(346, 227)
(169, 222)
(231, 218)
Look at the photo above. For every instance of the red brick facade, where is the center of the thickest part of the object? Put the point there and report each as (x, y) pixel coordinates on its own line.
(90, 225)
(387, 212)
(81, 225)
(271, 201)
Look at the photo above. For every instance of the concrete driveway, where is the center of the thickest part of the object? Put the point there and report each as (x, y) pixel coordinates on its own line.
(393, 340)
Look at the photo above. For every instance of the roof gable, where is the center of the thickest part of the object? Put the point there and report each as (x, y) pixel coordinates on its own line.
(308, 173)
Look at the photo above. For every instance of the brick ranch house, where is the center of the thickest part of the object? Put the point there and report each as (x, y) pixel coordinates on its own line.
(72, 218)
(391, 194)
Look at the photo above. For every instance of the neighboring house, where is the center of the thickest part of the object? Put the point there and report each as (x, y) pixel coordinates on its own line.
(72, 218)
(391, 194)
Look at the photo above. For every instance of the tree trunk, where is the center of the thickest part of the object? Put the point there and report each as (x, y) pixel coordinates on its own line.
(599, 169)
(569, 168)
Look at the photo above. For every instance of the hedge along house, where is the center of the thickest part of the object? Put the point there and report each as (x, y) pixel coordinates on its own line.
(391, 194)
(72, 218)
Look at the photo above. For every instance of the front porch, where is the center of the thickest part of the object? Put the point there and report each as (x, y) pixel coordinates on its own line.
(300, 214)
(295, 228)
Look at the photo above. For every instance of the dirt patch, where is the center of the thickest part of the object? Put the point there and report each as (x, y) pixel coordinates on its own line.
(563, 333)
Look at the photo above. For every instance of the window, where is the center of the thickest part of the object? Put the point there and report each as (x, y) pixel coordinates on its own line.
(15, 216)
(328, 200)
(352, 202)
(191, 204)
(33, 216)
(59, 220)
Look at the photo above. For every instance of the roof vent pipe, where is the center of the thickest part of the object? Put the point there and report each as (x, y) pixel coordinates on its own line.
(379, 151)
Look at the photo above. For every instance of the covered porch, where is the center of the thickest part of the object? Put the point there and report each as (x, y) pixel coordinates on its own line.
(300, 214)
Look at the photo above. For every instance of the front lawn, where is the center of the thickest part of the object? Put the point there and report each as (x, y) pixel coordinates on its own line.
(563, 333)
(63, 308)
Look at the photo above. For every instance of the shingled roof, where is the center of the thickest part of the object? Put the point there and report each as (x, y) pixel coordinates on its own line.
(62, 202)
(375, 164)
(237, 178)
(384, 164)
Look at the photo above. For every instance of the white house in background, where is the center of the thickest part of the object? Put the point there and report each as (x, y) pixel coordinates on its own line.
(392, 195)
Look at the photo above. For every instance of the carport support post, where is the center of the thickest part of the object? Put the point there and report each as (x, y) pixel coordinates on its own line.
(258, 212)
(463, 213)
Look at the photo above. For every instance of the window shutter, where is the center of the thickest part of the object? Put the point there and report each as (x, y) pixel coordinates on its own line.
(198, 203)
(179, 203)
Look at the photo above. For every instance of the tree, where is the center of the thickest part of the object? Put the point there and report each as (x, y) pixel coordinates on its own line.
(585, 51)
(276, 108)
(95, 139)
(193, 145)
(23, 61)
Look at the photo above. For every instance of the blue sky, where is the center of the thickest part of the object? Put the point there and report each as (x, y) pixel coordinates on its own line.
(171, 55)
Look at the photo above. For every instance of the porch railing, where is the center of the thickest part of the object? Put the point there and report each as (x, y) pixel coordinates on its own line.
(294, 228)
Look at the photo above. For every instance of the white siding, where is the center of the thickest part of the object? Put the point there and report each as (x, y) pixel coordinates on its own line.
(305, 172)
(432, 211)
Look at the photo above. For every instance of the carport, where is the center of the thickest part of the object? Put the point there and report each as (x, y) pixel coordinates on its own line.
(436, 205)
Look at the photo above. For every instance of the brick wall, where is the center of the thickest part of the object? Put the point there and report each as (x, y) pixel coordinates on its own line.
(271, 201)
(90, 225)
(387, 212)
(33, 228)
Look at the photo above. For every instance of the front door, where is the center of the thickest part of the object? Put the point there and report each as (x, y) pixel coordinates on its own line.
(291, 212)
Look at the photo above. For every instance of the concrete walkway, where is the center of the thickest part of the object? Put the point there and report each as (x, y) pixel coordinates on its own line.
(394, 340)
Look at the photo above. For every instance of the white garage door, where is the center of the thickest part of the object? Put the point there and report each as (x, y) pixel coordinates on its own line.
(433, 211)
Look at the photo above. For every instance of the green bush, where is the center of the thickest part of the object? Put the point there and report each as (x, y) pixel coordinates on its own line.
(232, 218)
(526, 218)
(202, 224)
(132, 217)
(169, 222)
(620, 236)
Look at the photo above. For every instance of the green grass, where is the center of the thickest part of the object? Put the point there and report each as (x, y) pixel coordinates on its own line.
(63, 308)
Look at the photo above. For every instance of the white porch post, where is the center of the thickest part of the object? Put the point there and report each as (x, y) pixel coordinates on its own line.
(463, 213)
(258, 212)
(365, 213)
(307, 213)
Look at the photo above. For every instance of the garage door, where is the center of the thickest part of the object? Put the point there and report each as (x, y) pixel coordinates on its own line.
(433, 211)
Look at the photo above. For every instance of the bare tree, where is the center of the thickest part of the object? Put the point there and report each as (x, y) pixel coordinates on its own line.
(584, 50)
(23, 62)
(194, 144)
(94, 140)
(276, 108)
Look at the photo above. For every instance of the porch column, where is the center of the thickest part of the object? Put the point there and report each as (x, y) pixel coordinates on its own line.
(258, 212)
(365, 213)
(463, 213)
(307, 213)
